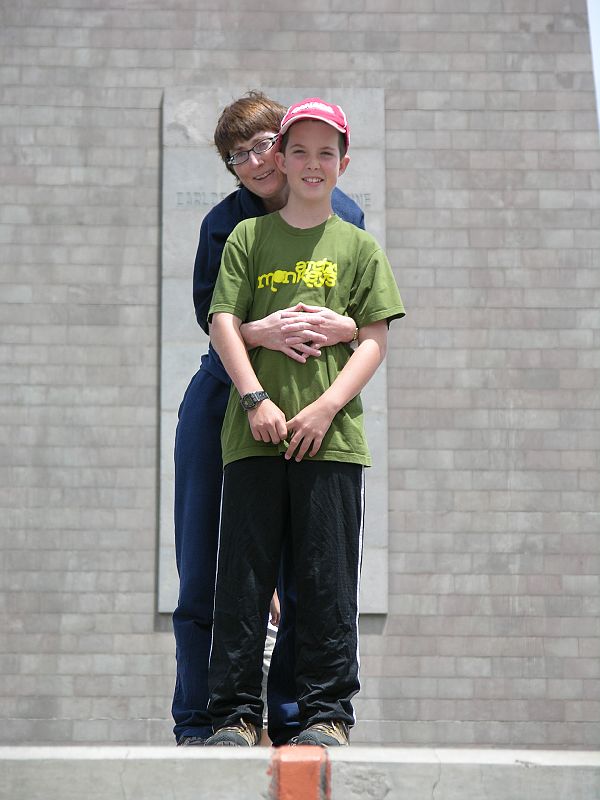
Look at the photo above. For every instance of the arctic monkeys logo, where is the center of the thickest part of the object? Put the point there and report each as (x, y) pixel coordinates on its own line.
(312, 273)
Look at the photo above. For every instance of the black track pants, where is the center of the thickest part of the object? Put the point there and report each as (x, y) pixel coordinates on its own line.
(320, 505)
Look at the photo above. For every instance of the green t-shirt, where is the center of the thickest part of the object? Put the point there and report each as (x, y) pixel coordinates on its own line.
(267, 266)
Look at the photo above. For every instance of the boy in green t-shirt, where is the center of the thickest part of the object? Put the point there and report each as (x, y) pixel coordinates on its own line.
(294, 448)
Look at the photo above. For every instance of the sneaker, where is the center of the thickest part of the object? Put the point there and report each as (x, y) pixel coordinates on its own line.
(330, 733)
(242, 734)
(190, 741)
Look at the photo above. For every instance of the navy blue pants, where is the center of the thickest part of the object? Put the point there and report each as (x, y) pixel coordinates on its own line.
(198, 480)
(317, 508)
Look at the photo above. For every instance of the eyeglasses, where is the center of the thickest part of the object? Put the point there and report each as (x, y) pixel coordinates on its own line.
(242, 156)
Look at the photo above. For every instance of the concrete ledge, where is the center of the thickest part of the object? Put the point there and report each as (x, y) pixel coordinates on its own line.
(357, 773)
(446, 774)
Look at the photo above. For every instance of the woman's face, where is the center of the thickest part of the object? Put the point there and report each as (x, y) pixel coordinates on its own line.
(260, 174)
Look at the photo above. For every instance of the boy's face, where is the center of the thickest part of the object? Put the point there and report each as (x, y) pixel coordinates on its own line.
(312, 160)
(259, 173)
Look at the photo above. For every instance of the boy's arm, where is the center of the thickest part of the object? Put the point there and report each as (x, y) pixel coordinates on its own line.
(267, 421)
(310, 425)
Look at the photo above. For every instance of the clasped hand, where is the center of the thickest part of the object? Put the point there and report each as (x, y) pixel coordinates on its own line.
(300, 332)
(304, 432)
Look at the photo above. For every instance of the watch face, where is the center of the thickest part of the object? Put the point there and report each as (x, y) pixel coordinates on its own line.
(252, 399)
(248, 401)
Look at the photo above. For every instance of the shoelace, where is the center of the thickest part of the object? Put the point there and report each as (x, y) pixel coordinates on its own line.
(244, 730)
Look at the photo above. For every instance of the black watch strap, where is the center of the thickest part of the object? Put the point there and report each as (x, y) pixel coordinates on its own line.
(252, 399)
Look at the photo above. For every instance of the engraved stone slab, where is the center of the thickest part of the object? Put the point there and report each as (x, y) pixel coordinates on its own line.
(194, 179)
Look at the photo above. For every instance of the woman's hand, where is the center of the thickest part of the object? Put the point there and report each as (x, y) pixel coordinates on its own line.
(329, 326)
(275, 610)
(299, 332)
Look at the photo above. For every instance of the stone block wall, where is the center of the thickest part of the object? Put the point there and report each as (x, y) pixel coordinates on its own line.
(493, 220)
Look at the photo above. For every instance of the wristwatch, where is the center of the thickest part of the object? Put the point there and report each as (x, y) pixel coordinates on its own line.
(252, 399)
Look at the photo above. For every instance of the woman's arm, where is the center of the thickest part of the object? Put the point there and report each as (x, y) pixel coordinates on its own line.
(299, 332)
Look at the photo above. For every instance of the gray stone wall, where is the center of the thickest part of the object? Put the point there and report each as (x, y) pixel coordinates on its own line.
(493, 190)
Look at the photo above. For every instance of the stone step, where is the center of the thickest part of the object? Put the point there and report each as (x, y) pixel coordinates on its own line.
(356, 773)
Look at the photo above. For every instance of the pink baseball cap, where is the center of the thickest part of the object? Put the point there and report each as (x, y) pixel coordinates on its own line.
(315, 108)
